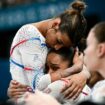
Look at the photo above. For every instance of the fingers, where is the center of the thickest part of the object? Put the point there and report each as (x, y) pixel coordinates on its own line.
(76, 56)
(72, 91)
(22, 86)
(76, 51)
(65, 89)
(68, 93)
(16, 89)
(15, 84)
(81, 56)
(75, 86)
(75, 92)
(17, 94)
(19, 90)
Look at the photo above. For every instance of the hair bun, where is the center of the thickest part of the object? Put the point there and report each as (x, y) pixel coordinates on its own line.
(78, 5)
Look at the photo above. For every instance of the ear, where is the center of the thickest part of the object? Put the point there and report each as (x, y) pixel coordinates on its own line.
(56, 23)
(101, 50)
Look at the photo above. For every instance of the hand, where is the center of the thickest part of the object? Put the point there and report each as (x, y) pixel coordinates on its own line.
(76, 68)
(39, 98)
(16, 89)
(78, 60)
(75, 86)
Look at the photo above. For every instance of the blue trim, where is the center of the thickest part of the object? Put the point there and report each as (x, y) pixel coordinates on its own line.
(38, 74)
(42, 44)
(12, 61)
(34, 81)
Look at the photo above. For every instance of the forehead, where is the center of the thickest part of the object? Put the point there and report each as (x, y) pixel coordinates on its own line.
(91, 36)
(53, 57)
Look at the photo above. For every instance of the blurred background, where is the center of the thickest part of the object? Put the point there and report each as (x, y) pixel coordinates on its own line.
(15, 13)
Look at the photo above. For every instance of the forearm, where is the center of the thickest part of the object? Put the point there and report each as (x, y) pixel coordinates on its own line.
(65, 73)
(85, 72)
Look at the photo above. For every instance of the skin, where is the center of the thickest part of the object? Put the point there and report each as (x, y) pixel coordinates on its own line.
(55, 62)
(91, 50)
(95, 51)
(94, 56)
(55, 39)
(16, 89)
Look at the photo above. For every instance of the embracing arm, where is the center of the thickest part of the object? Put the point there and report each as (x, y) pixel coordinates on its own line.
(16, 63)
(62, 74)
(76, 68)
(76, 83)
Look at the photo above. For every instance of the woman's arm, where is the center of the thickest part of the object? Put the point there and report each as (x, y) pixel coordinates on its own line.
(77, 83)
(63, 74)
(76, 68)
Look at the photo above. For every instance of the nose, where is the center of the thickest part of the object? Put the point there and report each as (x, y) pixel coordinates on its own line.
(57, 47)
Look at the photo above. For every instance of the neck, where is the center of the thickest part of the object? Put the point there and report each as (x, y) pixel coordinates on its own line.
(43, 26)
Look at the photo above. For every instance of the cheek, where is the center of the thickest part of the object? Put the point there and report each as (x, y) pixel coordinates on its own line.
(89, 59)
(86, 54)
(50, 39)
(64, 66)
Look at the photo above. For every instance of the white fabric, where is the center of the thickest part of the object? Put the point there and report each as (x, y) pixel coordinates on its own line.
(44, 81)
(30, 54)
(98, 92)
(55, 88)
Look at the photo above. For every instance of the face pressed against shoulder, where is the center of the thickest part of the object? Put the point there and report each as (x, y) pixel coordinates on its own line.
(55, 39)
(65, 29)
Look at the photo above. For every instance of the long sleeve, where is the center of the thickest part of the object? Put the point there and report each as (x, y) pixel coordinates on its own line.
(43, 82)
(55, 88)
(30, 55)
(98, 92)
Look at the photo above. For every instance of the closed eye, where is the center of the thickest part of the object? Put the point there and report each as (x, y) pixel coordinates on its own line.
(59, 42)
(55, 68)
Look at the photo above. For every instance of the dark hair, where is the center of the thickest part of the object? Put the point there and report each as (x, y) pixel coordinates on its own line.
(73, 22)
(67, 54)
(99, 30)
(82, 44)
